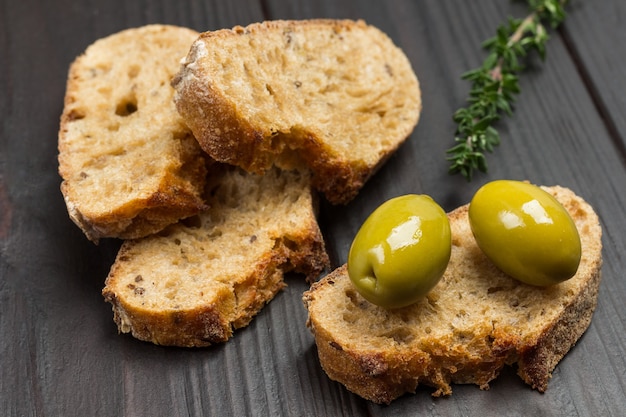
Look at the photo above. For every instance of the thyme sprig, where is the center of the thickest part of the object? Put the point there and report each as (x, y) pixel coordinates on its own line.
(495, 84)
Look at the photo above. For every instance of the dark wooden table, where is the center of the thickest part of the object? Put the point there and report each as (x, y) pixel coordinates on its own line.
(60, 354)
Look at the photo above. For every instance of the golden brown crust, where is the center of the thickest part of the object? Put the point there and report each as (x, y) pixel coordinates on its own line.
(129, 164)
(464, 331)
(279, 104)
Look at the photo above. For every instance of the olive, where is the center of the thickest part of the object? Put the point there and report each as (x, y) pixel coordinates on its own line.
(525, 232)
(401, 251)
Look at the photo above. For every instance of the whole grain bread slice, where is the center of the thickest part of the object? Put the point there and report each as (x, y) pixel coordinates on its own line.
(197, 280)
(130, 166)
(472, 324)
(335, 95)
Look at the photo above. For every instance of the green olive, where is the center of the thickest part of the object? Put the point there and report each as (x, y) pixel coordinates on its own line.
(525, 232)
(401, 251)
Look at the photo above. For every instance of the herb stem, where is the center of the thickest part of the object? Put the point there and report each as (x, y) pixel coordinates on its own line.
(495, 84)
(523, 27)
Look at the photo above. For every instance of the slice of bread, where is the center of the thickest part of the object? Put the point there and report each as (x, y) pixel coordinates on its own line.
(196, 281)
(472, 324)
(129, 164)
(335, 95)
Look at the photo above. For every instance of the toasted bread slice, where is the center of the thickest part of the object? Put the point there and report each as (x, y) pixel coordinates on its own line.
(129, 164)
(196, 281)
(472, 324)
(335, 95)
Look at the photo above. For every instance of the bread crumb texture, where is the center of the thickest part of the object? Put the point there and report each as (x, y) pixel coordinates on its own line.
(336, 95)
(474, 322)
(197, 280)
(130, 166)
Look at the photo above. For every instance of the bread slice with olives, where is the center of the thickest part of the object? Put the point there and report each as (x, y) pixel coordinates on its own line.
(334, 95)
(474, 322)
(130, 166)
(196, 281)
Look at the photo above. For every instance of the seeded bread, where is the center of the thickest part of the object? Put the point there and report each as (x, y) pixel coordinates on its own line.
(472, 324)
(196, 281)
(129, 164)
(334, 95)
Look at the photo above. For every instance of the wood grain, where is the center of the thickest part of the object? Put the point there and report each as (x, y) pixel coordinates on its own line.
(60, 353)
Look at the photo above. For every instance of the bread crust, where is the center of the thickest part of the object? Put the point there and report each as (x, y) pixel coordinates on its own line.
(221, 121)
(475, 349)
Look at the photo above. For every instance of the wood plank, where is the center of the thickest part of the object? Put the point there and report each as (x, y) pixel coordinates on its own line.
(60, 352)
(594, 33)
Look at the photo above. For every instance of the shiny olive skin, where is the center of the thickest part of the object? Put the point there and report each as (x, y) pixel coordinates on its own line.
(525, 232)
(401, 251)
